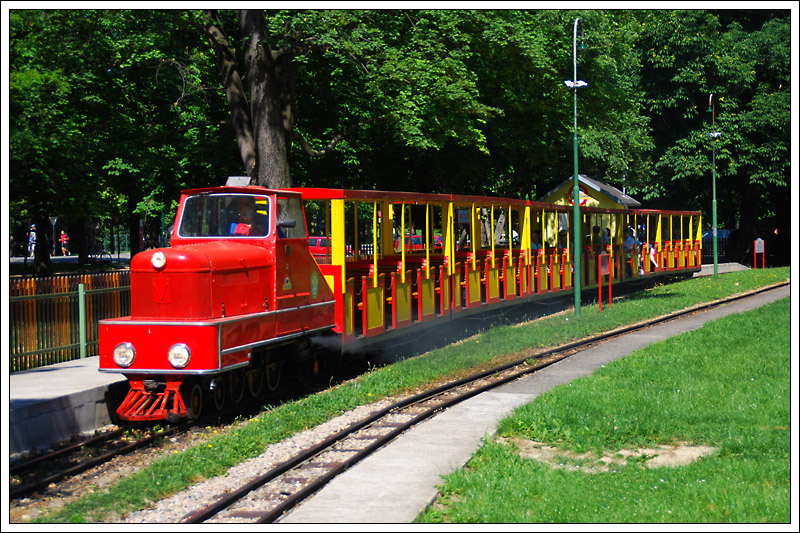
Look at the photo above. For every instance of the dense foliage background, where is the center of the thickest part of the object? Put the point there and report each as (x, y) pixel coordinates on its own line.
(112, 113)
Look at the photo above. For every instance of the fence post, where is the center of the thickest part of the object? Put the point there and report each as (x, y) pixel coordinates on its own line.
(82, 317)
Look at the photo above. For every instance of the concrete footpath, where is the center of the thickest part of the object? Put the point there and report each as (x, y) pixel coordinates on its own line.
(397, 483)
(57, 401)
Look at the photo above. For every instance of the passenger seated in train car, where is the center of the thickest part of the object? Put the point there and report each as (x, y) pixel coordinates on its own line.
(562, 240)
(629, 248)
(642, 240)
(536, 243)
(595, 239)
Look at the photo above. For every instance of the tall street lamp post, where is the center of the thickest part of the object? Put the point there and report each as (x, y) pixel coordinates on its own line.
(576, 84)
(713, 135)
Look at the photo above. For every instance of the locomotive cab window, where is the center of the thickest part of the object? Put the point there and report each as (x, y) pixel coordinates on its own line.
(225, 215)
(291, 222)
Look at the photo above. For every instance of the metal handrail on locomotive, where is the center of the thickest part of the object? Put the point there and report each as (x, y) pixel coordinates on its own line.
(216, 314)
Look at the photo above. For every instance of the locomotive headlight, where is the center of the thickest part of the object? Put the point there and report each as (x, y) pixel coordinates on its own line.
(179, 355)
(158, 260)
(124, 354)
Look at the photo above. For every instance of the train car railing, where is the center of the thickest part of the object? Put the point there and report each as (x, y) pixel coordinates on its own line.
(56, 319)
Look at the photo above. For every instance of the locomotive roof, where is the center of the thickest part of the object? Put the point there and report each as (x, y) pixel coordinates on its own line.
(249, 189)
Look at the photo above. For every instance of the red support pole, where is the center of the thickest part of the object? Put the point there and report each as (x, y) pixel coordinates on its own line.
(599, 283)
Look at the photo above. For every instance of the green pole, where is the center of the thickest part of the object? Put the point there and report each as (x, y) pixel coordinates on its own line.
(82, 317)
(714, 200)
(576, 200)
(714, 135)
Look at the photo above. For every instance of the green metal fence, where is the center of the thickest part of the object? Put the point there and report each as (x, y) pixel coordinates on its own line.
(56, 319)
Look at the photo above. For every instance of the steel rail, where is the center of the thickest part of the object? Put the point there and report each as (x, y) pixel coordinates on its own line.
(31, 464)
(24, 490)
(565, 351)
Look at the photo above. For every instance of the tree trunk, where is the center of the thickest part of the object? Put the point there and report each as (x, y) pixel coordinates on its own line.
(262, 127)
(234, 89)
(272, 164)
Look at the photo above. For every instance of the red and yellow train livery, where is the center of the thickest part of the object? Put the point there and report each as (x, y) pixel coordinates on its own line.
(215, 315)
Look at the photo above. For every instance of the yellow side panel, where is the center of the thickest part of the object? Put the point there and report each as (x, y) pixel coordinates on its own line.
(493, 282)
(567, 269)
(474, 283)
(348, 313)
(427, 293)
(457, 303)
(543, 276)
(511, 276)
(375, 305)
(402, 301)
(444, 281)
(556, 273)
(337, 234)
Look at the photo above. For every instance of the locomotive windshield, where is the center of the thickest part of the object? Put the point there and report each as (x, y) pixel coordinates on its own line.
(225, 215)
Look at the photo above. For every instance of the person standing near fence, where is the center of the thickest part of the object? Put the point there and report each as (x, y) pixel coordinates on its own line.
(32, 240)
(64, 243)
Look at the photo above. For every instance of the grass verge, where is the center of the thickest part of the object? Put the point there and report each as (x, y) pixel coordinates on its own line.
(721, 386)
(248, 439)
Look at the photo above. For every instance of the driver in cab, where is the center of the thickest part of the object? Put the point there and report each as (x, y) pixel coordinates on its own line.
(245, 222)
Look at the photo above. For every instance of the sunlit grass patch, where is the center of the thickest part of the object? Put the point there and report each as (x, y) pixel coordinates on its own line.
(250, 438)
(725, 386)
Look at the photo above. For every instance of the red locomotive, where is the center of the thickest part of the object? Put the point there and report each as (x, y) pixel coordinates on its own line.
(240, 291)
(208, 313)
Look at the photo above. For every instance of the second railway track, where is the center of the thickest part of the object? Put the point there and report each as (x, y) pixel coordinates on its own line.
(267, 497)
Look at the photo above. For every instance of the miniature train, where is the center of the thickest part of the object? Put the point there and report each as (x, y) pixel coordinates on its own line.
(240, 290)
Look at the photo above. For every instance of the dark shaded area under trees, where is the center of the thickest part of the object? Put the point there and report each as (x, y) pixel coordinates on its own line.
(112, 113)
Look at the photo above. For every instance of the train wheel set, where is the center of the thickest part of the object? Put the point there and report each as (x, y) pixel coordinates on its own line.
(239, 293)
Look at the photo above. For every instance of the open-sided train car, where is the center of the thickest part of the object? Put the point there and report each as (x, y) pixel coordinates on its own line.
(215, 315)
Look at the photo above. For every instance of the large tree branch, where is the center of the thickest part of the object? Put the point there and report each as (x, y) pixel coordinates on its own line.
(234, 89)
(339, 137)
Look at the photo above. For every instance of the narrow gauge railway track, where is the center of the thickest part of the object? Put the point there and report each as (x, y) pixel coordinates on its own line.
(26, 478)
(266, 498)
(70, 460)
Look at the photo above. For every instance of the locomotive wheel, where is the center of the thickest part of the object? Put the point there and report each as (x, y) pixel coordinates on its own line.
(194, 400)
(218, 394)
(273, 374)
(255, 381)
(236, 385)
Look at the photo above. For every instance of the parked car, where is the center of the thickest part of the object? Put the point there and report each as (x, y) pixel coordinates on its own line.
(416, 243)
(318, 246)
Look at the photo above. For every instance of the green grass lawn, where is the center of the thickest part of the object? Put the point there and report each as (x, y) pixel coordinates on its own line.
(249, 438)
(726, 385)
